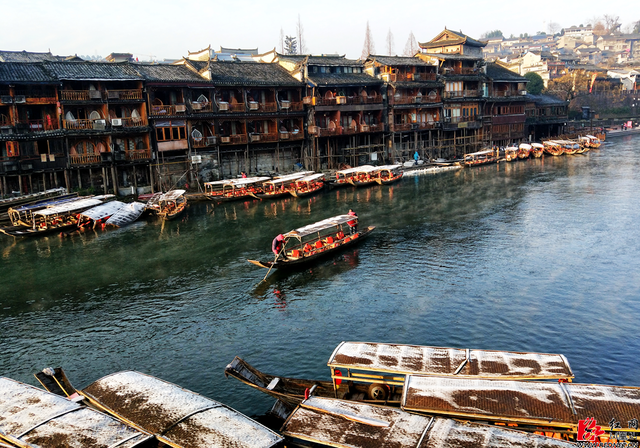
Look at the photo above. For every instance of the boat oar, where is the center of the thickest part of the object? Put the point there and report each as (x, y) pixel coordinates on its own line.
(274, 261)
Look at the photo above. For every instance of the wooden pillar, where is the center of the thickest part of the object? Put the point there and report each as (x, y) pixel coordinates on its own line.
(105, 181)
(67, 180)
(20, 184)
(135, 179)
(151, 178)
(3, 187)
(115, 179)
(44, 181)
(79, 180)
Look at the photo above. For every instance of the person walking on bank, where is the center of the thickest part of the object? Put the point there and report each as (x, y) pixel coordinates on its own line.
(416, 157)
(353, 224)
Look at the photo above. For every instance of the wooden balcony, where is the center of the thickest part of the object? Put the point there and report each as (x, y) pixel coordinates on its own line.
(236, 107)
(167, 109)
(349, 130)
(85, 159)
(462, 94)
(235, 139)
(131, 122)
(264, 137)
(37, 125)
(78, 124)
(328, 132)
(204, 142)
(399, 127)
(460, 71)
(202, 107)
(138, 154)
(124, 95)
(38, 96)
(294, 106)
(80, 95)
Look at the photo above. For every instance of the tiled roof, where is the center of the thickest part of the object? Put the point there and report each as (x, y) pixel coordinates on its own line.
(343, 79)
(496, 72)
(26, 56)
(21, 72)
(452, 38)
(398, 60)
(250, 74)
(331, 60)
(91, 71)
(167, 73)
(453, 57)
(545, 100)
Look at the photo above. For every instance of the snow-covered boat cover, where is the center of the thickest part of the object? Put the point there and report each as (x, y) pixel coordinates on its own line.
(103, 210)
(310, 177)
(127, 214)
(36, 418)
(177, 416)
(172, 195)
(358, 169)
(75, 206)
(442, 361)
(239, 182)
(318, 226)
(340, 423)
(537, 403)
(285, 179)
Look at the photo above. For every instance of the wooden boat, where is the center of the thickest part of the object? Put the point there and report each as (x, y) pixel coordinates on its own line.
(169, 205)
(480, 158)
(17, 201)
(276, 188)
(318, 240)
(569, 147)
(537, 149)
(337, 423)
(98, 215)
(343, 177)
(552, 148)
(126, 215)
(34, 418)
(388, 174)
(375, 372)
(589, 142)
(511, 153)
(524, 150)
(363, 175)
(234, 189)
(58, 218)
(541, 406)
(307, 185)
(176, 417)
(23, 215)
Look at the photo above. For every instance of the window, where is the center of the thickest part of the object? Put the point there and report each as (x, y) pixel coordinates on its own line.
(171, 130)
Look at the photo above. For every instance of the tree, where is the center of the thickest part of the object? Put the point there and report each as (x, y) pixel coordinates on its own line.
(411, 47)
(535, 84)
(290, 45)
(490, 34)
(611, 22)
(599, 29)
(302, 48)
(553, 27)
(390, 43)
(570, 85)
(369, 47)
(636, 27)
(281, 40)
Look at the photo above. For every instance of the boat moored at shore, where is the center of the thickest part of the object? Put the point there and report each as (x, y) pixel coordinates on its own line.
(234, 189)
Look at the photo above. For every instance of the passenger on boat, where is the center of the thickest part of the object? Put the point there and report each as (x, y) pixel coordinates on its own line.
(307, 248)
(353, 224)
(340, 235)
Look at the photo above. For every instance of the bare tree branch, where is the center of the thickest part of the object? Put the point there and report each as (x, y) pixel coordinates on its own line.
(302, 48)
(390, 43)
(369, 47)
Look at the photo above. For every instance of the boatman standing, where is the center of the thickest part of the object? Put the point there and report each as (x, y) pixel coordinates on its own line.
(353, 224)
(276, 246)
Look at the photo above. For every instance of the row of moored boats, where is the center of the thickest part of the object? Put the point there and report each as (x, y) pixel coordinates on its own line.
(383, 395)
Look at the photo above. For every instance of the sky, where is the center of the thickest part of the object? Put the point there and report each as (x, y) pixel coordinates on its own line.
(169, 29)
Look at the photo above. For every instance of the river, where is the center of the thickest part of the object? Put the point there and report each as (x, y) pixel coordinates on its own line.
(540, 255)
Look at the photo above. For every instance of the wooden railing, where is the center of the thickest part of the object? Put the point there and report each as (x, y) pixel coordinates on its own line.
(81, 95)
(460, 71)
(38, 125)
(401, 127)
(264, 137)
(163, 109)
(326, 132)
(236, 107)
(203, 142)
(235, 139)
(202, 108)
(348, 130)
(85, 159)
(462, 94)
(124, 95)
(78, 124)
(138, 154)
(131, 122)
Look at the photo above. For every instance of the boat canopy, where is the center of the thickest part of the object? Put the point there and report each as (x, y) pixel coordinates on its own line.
(442, 361)
(46, 203)
(298, 174)
(238, 182)
(103, 210)
(537, 145)
(172, 195)
(525, 146)
(592, 137)
(319, 226)
(480, 153)
(357, 169)
(285, 179)
(310, 177)
(340, 423)
(74, 206)
(177, 416)
(388, 167)
(127, 214)
(539, 403)
(35, 418)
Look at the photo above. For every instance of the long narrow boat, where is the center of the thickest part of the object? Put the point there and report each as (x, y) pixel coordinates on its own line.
(480, 158)
(388, 174)
(532, 406)
(375, 372)
(98, 215)
(169, 205)
(234, 189)
(33, 418)
(309, 243)
(511, 153)
(126, 215)
(176, 416)
(23, 215)
(553, 148)
(343, 177)
(363, 175)
(524, 150)
(537, 149)
(54, 219)
(282, 186)
(336, 423)
(570, 147)
(307, 185)
(17, 201)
